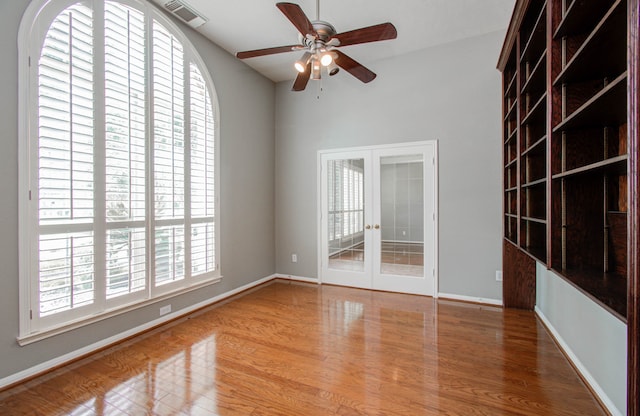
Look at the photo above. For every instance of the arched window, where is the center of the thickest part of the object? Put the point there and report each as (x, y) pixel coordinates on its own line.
(118, 161)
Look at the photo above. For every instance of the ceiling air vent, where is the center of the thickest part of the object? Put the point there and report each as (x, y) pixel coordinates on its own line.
(184, 12)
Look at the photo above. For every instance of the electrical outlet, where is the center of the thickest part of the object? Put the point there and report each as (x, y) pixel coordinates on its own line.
(165, 310)
(498, 275)
(294, 258)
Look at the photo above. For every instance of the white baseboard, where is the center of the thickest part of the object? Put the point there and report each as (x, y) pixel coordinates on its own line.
(69, 357)
(297, 278)
(472, 299)
(584, 372)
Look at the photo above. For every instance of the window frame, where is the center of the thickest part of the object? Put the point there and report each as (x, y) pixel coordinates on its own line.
(34, 26)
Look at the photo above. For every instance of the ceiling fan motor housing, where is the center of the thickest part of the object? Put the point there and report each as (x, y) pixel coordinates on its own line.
(325, 31)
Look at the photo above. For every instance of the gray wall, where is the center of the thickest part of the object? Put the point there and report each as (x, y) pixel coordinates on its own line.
(450, 93)
(246, 195)
(596, 340)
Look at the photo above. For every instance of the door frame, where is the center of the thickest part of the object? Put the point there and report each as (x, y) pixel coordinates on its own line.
(434, 145)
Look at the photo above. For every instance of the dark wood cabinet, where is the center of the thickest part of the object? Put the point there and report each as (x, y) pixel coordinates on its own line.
(570, 155)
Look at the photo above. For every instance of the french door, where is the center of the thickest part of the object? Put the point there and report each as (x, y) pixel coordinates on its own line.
(378, 211)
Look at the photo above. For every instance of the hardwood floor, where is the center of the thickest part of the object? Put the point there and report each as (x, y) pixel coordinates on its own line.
(300, 349)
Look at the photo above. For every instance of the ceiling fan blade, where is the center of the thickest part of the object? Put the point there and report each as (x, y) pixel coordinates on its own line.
(383, 31)
(302, 79)
(296, 16)
(267, 51)
(354, 68)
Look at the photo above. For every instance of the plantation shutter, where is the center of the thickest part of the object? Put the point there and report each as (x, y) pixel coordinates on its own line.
(66, 272)
(125, 137)
(168, 156)
(202, 177)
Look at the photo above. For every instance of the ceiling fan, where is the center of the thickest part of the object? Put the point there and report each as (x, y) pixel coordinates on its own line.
(320, 41)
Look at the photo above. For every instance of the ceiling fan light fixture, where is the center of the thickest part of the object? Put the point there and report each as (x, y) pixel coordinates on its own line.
(301, 64)
(299, 67)
(326, 59)
(333, 68)
(315, 69)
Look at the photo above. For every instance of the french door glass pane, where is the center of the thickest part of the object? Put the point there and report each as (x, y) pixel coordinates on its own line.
(345, 191)
(402, 215)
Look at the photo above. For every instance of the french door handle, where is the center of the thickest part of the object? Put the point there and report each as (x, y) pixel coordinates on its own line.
(368, 227)
(377, 226)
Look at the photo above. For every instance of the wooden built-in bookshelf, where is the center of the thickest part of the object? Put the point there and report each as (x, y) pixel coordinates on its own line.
(570, 156)
(565, 130)
(533, 129)
(510, 153)
(589, 150)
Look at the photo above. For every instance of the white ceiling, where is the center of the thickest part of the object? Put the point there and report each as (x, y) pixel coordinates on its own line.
(238, 25)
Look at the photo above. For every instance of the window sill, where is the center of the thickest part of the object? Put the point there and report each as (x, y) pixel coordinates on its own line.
(70, 326)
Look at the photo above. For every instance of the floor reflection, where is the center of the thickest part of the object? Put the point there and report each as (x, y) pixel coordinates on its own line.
(399, 258)
(297, 349)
